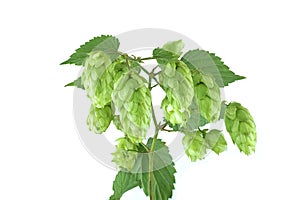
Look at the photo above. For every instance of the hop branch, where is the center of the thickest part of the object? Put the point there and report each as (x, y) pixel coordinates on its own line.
(118, 93)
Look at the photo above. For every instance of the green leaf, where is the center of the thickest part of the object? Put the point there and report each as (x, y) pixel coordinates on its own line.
(174, 46)
(124, 181)
(163, 56)
(211, 64)
(105, 43)
(76, 83)
(175, 127)
(163, 178)
(196, 120)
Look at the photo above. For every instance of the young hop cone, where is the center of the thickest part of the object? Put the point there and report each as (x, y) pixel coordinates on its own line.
(215, 141)
(110, 76)
(208, 96)
(241, 127)
(194, 145)
(99, 119)
(125, 155)
(94, 68)
(132, 98)
(177, 82)
(173, 111)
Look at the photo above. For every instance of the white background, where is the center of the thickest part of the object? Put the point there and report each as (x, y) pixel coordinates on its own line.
(40, 153)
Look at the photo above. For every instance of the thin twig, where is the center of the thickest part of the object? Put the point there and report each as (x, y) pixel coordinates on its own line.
(127, 63)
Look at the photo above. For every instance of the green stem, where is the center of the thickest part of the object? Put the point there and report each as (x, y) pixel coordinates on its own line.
(148, 58)
(157, 128)
(144, 70)
(127, 63)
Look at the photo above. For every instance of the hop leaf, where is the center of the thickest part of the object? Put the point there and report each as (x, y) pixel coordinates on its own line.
(211, 64)
(95, 65)
(194, 145)
(77, 83)
(133, 100)
(177, 82)
(125, 155)
(99, 118)
(216, 141)
(208, 97)
(241, 127)
(161, 177)
(105, 43)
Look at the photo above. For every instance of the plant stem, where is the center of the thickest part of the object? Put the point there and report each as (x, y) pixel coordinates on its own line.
(157, 128)
(147, 58)
(144, 70)
(127, 63)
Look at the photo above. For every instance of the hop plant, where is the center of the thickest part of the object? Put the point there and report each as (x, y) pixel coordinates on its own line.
(99, 119)
(241, 127)
(177, 81)
(133, 100)
(94, 67)
(191, 82)
(126, 154)
(208, 97)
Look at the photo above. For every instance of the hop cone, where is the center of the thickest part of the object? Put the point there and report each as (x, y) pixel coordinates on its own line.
(133, 100)
(105, 85)
(241, 127)
(173, 112)
(94, 67)
(215, 141)
(194, 145)
(125, 154)
(177, 82)
(99, 118)
(208, 97)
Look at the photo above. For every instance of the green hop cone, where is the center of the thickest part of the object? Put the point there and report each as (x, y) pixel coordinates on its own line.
(177, 82)
(125, 155)
(194, 145)
(241, 127)
(110, 76)
(99, 119)
(94, 67)
(215, 141)
(208, 96)
(173, 112)
(133, 100)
